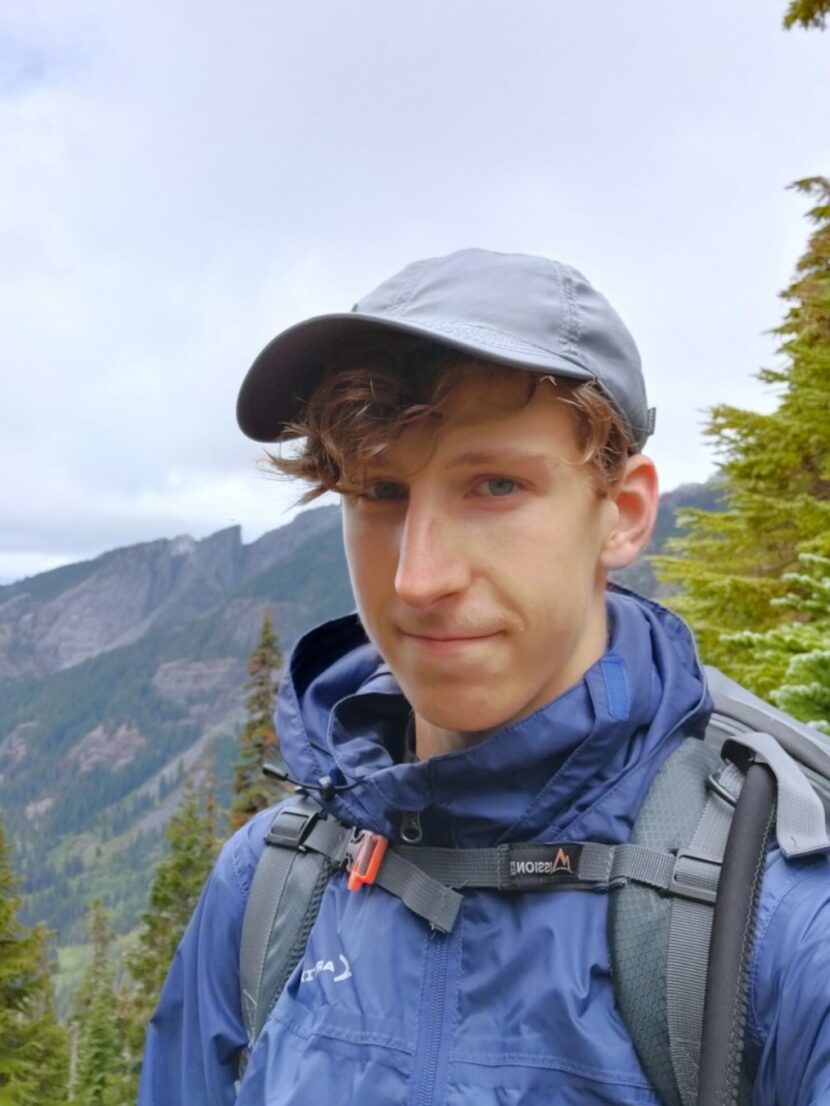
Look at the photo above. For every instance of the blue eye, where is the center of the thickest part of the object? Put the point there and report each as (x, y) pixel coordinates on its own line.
(385, 490)
(500, 485)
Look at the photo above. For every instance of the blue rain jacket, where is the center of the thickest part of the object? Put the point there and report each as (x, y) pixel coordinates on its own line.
(516, 1005)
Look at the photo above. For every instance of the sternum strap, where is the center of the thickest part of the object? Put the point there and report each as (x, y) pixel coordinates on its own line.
(427, 879)
(566, 865)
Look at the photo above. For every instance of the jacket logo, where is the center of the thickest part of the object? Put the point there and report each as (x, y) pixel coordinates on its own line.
(310, 974)
(560, 863)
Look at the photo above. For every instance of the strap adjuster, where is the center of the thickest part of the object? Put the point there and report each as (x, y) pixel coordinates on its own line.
(690, 882)
(292, 826)
(364, 854)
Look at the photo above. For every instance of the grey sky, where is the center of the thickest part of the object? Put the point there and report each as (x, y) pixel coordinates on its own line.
(181, 181)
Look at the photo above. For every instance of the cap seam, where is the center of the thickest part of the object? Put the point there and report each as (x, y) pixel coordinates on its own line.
(570, 314)
(498, 338)
(408, 289)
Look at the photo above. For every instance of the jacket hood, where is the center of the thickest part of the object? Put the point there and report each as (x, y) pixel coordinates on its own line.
(578, 766)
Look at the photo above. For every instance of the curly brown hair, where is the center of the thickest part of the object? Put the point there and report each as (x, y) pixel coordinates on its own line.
(369, 395)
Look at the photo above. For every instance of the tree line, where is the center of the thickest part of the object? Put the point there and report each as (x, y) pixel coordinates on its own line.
(94, 1058)
(754, 580)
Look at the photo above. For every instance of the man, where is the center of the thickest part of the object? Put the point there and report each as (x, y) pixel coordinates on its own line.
(482, 416)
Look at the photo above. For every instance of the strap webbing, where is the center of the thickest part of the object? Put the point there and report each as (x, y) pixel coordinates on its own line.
(426, 879)
(423, 894)
(690, 930)
(566, 865)
(282, 905)
(800, 826)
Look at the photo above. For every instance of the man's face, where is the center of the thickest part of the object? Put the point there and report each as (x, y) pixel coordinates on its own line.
(475, 557)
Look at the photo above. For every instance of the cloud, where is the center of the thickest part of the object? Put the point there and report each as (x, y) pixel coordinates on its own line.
(182, 182)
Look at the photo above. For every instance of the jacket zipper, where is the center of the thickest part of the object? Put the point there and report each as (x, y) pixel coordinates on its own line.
(430, 1033)
(411, 833)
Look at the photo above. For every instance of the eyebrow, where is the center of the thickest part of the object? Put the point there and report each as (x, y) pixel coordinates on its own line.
(500, 456)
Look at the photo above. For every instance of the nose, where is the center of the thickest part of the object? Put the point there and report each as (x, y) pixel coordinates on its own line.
(432, 560)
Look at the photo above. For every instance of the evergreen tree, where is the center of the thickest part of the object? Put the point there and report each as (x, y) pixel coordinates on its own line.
(33, 1045)
(193, 847)
(800, 648)
(731, 565)
(807, 13)
(259, 743)
(98, 1077)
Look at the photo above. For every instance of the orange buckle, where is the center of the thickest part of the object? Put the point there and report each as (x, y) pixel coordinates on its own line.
(365, 854)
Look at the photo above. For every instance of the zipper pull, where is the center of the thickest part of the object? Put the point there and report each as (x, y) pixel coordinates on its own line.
(411, 827)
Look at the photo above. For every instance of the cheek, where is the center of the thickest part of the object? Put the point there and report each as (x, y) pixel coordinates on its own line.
(558, 595)
(371, 565)
(355, 559)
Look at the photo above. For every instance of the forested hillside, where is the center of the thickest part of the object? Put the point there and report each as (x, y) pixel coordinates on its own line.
(120, 674)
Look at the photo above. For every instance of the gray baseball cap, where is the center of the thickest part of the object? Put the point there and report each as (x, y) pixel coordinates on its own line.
(512, 309)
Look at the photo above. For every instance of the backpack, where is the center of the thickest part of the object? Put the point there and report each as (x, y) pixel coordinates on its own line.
(685, 887)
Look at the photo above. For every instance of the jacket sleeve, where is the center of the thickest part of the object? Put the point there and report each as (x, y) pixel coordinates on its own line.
(196, 1033)
(792, 988)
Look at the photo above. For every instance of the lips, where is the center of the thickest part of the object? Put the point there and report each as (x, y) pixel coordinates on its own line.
(452, 637)
(448, 646)
(449, 635)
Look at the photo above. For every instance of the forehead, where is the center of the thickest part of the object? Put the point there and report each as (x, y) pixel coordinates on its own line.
(487, 410)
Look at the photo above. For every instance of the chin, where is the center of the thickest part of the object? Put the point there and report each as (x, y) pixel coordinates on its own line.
(460, 717)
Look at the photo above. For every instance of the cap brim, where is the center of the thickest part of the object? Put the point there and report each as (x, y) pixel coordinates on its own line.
(287, 370)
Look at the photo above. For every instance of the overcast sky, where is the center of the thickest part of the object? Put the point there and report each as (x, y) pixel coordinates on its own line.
(180, 181)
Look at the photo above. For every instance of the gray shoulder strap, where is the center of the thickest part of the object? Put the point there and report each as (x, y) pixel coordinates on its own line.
(690, 932)
(737, 712)
(659, 943)
(800, 820)
(283, 903)
(798, 756)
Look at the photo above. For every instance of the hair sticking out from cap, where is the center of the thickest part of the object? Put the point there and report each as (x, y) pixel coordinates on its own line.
(368, 398)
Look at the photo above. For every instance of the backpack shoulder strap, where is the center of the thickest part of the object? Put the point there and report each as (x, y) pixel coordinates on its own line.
(659, 943)
(797, 755)
(282, 906)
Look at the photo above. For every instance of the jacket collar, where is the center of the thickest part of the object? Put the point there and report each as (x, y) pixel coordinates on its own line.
(555, 772)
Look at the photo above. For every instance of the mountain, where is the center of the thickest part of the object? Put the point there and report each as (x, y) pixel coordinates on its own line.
(120, 675)
(117, 675)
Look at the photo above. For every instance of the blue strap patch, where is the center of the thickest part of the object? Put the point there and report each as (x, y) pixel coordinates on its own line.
(616, 687)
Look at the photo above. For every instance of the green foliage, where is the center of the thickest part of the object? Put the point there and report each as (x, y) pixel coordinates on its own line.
(807, 13)
(109, 689)
(801, 649)
(62, 876)
(193, 844)
(259, 743)
(98, 1078)
(732, 567)
(805, 693)
(33, 1045)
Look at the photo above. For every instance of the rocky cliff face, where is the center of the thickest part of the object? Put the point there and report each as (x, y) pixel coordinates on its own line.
(59, 619)
(115, 671)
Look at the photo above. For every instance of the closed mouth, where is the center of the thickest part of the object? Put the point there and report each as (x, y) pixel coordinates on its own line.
(449, 637)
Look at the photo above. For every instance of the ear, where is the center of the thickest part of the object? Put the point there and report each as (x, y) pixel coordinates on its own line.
(636, 496)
